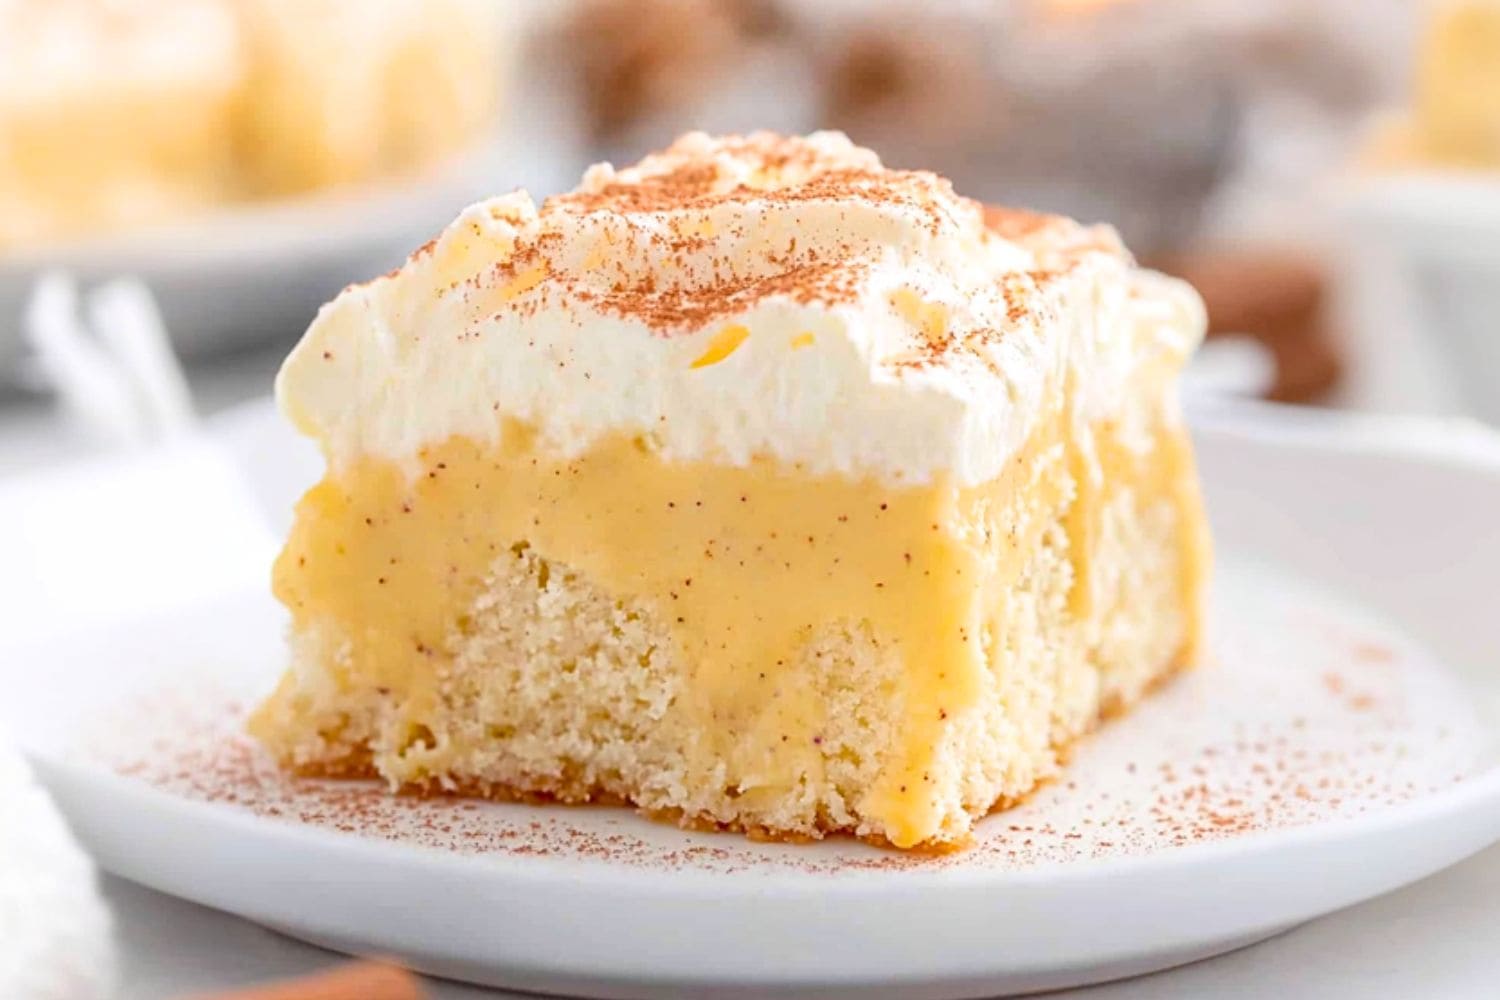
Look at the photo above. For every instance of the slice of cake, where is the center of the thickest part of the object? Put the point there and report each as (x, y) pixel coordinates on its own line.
(758, 486)
(186, 105)
(112, 115)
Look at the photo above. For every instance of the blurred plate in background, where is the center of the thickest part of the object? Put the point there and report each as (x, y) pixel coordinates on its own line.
(256, 274)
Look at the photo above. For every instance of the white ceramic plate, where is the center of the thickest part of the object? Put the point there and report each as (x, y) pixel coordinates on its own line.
(1337, 746)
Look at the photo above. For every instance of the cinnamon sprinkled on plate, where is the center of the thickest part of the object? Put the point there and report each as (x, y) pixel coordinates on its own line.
(1271, 745)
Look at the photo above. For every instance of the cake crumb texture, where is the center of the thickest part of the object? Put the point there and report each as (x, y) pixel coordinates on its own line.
(559, 692)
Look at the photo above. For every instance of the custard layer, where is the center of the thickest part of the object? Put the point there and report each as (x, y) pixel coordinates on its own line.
(747, 564)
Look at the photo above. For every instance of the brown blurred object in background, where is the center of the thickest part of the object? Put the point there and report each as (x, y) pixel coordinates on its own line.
(1280, 300)
(1169, 119)
(1121, 111)
(650, 57)
(365, 980)
(641, 72)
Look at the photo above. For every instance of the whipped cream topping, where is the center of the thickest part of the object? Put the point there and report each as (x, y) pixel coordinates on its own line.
(741, 297)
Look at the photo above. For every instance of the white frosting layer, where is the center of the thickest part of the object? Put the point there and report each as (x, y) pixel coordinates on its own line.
(742, 297)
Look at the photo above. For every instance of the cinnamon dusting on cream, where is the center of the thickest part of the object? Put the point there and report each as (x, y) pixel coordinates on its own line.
(668, 210)
(546, 311)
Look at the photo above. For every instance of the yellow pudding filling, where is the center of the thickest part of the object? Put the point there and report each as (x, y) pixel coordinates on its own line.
(745, 570)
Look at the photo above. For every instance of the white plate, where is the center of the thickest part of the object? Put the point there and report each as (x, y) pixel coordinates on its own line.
(1337, 746)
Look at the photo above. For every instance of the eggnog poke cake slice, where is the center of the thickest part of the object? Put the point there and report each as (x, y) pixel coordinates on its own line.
(757, 486)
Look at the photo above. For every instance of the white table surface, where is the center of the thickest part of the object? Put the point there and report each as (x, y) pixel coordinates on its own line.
(1437, 939)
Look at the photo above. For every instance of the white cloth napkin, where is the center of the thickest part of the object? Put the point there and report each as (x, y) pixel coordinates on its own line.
(55, 933)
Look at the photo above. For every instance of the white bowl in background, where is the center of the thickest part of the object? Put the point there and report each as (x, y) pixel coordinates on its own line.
(1436, 235)
(255, 274)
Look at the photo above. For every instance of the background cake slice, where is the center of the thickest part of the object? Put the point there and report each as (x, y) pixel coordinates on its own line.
(758, 485)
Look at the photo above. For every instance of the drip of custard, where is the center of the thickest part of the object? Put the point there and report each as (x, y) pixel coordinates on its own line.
(744, 564)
